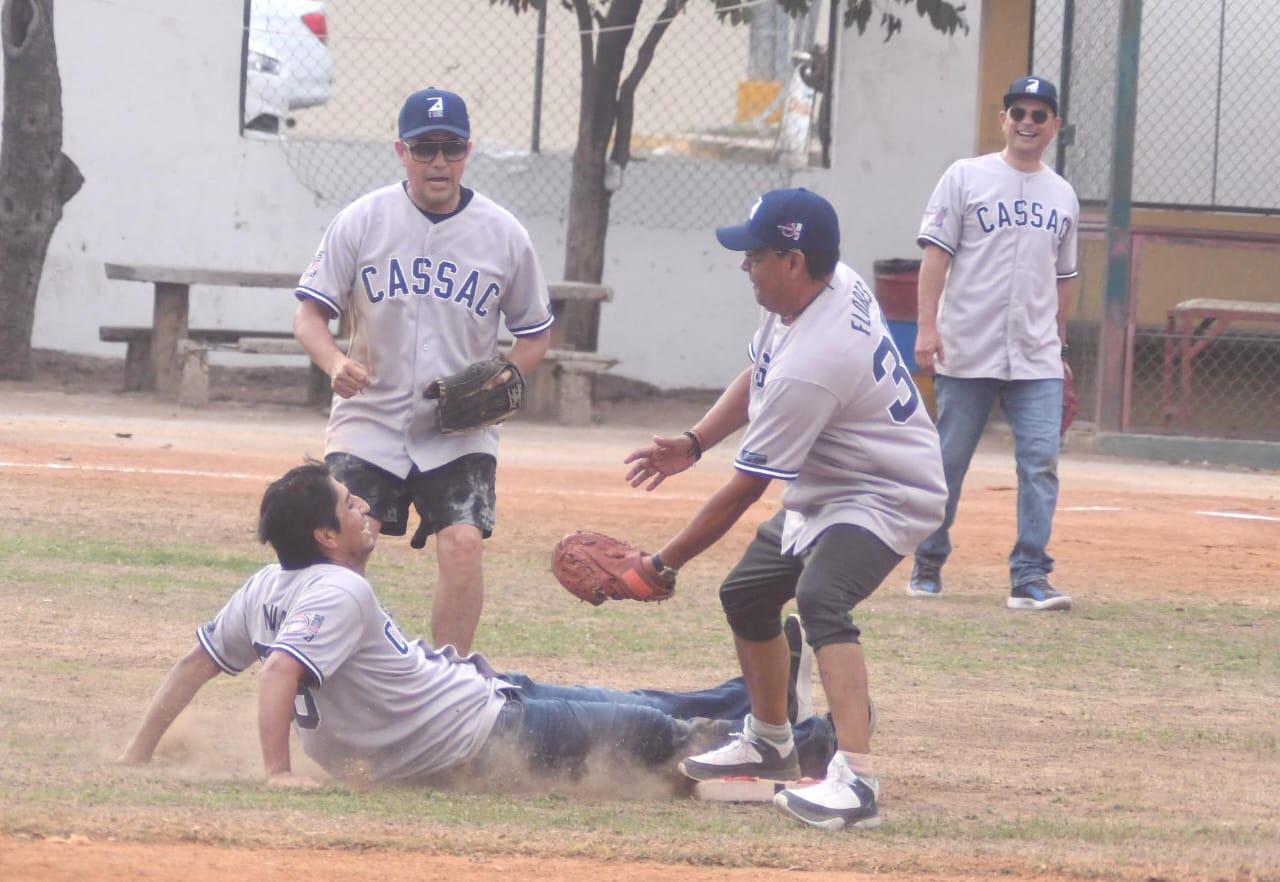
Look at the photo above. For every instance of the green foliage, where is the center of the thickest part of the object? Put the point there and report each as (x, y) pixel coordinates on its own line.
(943, 16)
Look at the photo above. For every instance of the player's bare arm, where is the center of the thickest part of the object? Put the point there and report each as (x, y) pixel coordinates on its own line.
(281, 674)
(528, 351)
(311, 329)
(180, 685)
(933, 275)
(668, 456)
(714, 519)
(1066, 292)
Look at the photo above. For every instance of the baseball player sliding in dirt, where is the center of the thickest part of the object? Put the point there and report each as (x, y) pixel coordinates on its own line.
(999, 240)
(370, 705)
(831, 410)
(425, 269)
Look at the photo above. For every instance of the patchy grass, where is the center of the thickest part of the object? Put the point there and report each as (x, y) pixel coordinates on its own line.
(1126, 734)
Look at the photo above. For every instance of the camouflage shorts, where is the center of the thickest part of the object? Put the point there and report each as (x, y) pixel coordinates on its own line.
(458, 492)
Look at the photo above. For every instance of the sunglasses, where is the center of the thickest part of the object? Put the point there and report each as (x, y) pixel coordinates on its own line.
(427, 151)
(1039, 116)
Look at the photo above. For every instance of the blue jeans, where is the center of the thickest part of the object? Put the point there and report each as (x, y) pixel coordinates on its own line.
(557, 727)
(1034, 411)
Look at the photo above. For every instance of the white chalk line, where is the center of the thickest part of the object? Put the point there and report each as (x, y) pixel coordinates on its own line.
(244, 476)
(1238, 514)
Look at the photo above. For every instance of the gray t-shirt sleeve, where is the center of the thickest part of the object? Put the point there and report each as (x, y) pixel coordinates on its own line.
(944, 215)
(326, 626)
(226, 637)
(526, 308)
(329, 277)
(789, 419)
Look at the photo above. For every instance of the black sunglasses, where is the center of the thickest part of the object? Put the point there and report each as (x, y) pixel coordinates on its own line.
(426, 151)
(1039, 116)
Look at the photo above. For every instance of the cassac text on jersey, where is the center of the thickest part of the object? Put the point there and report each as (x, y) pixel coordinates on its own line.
(447, 282)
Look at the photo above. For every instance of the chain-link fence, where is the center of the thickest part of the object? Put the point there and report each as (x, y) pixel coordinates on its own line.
(1207, 100)
(1206, 109)
(1228, 389)
(720, 115)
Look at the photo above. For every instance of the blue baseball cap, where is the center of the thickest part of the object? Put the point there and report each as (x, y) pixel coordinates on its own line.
(434, 110)
(784, 219)
(1032, 87)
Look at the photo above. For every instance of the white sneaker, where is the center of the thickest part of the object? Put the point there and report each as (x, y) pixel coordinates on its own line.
(842, 799)
(744, 755)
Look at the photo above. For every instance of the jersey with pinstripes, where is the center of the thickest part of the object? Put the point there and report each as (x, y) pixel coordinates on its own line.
(834, 413)
(426, 296)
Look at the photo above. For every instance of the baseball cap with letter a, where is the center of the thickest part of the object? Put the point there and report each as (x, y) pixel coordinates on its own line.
(785, 219)
(1032, 87)
(434, 110)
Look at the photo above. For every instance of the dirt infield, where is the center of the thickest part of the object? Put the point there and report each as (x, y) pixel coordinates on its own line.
(1131, 738)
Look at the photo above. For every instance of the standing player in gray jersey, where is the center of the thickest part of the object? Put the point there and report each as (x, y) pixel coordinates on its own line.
(370, 705)
(999, 239)
(831, 410)
(425, 269)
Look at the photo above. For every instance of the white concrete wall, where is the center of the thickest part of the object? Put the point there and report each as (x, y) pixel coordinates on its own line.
(170, 181)
(906, 112)
(150, 98)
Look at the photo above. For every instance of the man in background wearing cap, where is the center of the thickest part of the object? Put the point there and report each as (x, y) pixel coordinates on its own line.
(425, 269)
(830, 410)
(999, 240)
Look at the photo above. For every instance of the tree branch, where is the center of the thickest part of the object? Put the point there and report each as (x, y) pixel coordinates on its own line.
(611, 50)
(627, 92)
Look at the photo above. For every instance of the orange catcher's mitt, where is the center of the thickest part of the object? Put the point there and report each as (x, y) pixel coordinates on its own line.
(595, 568)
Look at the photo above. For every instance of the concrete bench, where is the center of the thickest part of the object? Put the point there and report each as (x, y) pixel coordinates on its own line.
(171, 306)
(137, 354)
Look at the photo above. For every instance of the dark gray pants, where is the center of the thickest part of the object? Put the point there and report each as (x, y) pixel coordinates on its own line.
(836, 573)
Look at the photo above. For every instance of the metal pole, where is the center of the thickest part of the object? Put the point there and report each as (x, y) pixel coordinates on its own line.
(827, 118)
(1217, 103)
(244, 62)
(1113, 353)
(538, 56)
(1064, 82)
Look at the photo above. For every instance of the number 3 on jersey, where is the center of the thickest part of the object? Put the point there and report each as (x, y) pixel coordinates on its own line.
(900, 410)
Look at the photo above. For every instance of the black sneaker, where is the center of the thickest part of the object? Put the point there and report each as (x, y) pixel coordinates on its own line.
(800, 683)
(1038, 594)
(926, 580)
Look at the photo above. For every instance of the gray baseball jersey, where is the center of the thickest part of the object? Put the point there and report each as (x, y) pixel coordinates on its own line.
(424, 298)
(1012, 236)
(374, 706)
(834, 413)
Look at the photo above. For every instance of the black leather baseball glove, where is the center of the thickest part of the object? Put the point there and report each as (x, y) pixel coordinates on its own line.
(481, 394)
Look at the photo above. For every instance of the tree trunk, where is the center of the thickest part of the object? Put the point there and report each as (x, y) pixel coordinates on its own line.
(36, 178)
(588, 196)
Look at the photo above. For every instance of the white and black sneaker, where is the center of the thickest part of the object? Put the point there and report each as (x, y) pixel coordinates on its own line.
(800, 691)
(745, 755)
(843, 799)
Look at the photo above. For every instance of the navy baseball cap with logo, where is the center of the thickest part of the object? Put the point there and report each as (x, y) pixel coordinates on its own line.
(434, 110)
(1032, 87)
(785, 219)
